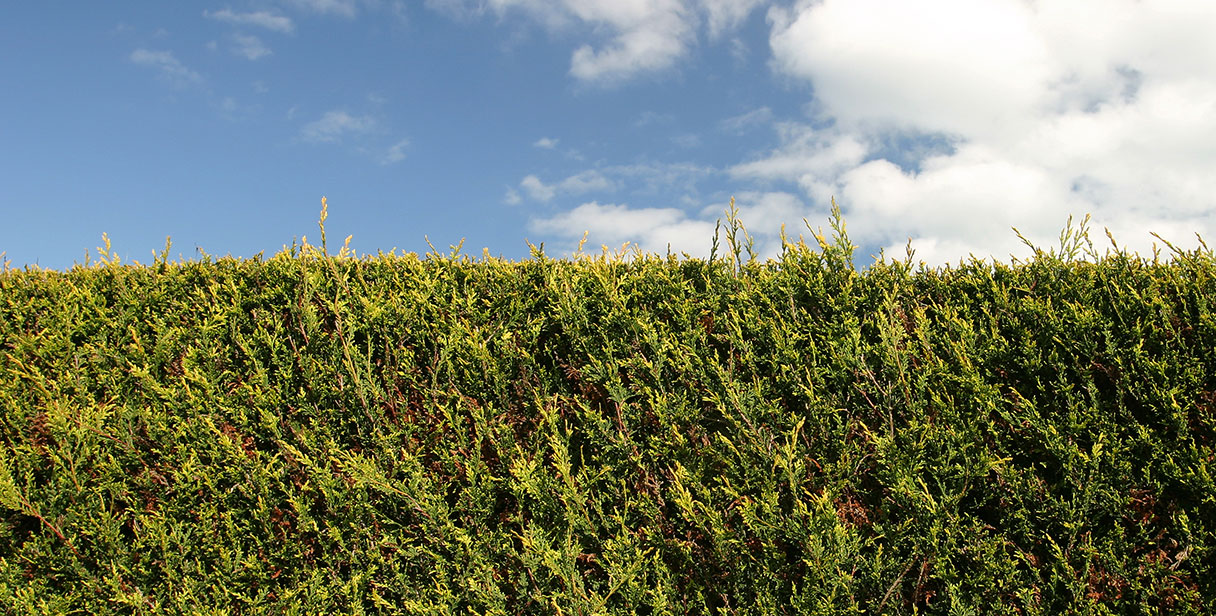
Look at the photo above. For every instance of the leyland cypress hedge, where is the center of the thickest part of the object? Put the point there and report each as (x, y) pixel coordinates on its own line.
(620, 434)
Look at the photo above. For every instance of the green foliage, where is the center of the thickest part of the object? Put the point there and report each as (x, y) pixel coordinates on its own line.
(316, 433)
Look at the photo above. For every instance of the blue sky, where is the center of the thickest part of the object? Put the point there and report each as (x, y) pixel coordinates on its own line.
(940, 122)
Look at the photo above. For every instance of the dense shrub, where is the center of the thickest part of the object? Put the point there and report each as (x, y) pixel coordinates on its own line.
(653, 435)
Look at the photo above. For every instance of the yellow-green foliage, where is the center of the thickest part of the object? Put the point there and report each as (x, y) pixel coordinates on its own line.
(311, 434)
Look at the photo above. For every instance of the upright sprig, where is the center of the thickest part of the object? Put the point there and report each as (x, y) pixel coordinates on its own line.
(1073, 242)
(838, 253)
(324, 215)
(106, 255)
(346, 250)
(734, 225)
(161, 260)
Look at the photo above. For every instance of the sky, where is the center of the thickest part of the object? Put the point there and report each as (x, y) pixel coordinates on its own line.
(938, 124)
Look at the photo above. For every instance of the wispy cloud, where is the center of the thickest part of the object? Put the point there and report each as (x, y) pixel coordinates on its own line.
(581, 183)
(169, 67)
(623, 39)
(396, 152)
(657, 178)
(512, 197)
(612, 225)
(334, 126)
(808, 157)
(545, 143)
(260, 19)
(249, 46)
(669, 182)
(232, 109)
(656, 230)
(537, 189)
(687, 141)
(341, 8)
(742, 122)
(646, 118)
(726, 15)
(650, 45)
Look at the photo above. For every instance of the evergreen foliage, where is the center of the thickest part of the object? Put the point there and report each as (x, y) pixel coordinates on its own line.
(618, 434)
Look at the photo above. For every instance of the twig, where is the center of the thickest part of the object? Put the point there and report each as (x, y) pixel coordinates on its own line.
(29, 508)
(891, 588)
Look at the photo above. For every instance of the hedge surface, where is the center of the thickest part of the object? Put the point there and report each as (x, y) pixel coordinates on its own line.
(313, 434)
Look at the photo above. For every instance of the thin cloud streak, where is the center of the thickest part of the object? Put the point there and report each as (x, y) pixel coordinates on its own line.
(170, 68)
(584, 182)
(396, 152)
(745, 121)
(334, 126)
(341, 8)
(260, 19)
(251, 47)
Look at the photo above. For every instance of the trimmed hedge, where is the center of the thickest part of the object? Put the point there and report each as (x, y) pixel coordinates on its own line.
(324, 434)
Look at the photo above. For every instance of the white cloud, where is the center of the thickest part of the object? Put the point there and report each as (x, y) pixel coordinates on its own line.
(970, 198)
(261, 19)
(545, 143)
(1051, 108)
(763, 212)
(654, 229)
(631, 37)
(584, 182)
(641, 178)
(249, 46)
(537, 189)
(652, 43)
(651, 229)
(943, 121)
(945, 65)
(170, 68)
(335, 125)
